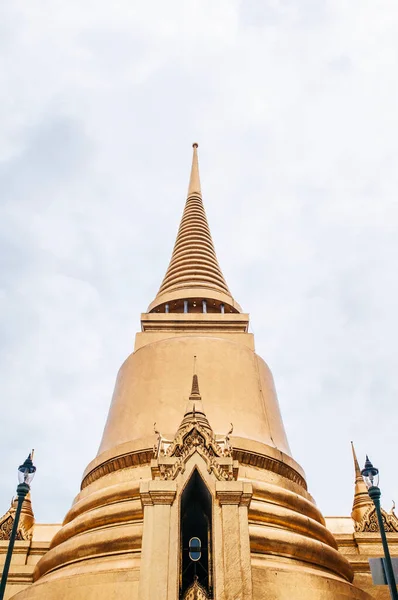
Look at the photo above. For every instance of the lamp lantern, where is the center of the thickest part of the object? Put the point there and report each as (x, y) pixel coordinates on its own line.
(370, 474)
(27, 470)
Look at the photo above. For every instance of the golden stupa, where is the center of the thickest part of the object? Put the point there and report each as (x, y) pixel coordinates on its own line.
(194, 448)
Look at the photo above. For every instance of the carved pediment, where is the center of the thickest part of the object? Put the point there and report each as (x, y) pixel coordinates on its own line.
(193, 436)
(370, 524)
(172, 457)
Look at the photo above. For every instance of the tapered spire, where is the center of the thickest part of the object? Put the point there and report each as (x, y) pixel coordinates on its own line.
(194, 411)
(194, 272)
(362, 500)
(358, 476)
(195, 399)
(195, 387)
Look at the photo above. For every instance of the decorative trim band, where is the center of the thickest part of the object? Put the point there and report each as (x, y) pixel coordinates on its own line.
(261, 461)
(144, 457)
(131, 459)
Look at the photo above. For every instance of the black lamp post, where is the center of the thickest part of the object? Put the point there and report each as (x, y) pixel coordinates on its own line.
(371, 477)
(26, 472)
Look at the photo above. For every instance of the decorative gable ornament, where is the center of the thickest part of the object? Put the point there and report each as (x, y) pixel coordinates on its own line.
(194, 435)
(6, 525)
(369, 522)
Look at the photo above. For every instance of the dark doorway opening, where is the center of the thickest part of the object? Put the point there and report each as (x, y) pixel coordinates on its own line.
(196, 521)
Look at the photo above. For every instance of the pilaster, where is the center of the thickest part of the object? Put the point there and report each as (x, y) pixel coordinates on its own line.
(234, 498)
(157, 498)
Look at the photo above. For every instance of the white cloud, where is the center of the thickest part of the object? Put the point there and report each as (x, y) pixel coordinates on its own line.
(294, 106)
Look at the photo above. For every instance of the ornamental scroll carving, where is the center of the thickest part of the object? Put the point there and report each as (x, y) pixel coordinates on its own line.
(6, 524)
(172, 455)
(196, 592)
(370, 524)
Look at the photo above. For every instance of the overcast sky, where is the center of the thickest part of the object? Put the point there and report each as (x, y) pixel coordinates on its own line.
(294, 106)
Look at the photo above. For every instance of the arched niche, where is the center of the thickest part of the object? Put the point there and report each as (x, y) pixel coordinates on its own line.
(196, 521)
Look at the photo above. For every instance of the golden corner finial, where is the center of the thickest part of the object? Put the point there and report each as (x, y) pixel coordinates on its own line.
(361, 501)
(356, 464)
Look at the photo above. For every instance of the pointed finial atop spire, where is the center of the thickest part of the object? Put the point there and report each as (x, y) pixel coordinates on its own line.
(194, 181)
(362, 500)
(358, 475)
(195, 394)
(195, 388)
(194, 408)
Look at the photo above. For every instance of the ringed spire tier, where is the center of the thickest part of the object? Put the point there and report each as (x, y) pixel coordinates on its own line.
(194, 281)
